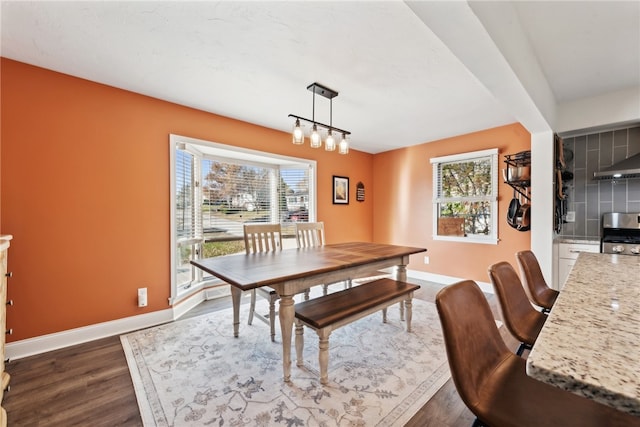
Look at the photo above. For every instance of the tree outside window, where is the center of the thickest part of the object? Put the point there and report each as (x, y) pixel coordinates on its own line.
(465, 202)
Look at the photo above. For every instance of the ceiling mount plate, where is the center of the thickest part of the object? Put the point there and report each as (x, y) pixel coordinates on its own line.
(322, 90)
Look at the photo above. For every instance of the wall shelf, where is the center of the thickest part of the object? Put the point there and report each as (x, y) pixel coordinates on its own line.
(521, 188)
(520, 163)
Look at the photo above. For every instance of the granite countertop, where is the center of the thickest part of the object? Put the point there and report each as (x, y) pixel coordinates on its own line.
(589, 240)
(590, 344)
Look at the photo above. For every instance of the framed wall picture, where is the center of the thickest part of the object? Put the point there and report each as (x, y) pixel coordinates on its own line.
(340, 190)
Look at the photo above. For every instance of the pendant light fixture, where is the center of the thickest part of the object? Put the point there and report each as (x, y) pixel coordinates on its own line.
(298, 133)
(315, 140)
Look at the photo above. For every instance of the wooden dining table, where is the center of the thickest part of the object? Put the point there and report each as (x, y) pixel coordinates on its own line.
(290, 271)
(590, 343)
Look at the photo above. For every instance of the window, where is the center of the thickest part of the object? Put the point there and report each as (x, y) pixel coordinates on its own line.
(218, 188)
(465, 188)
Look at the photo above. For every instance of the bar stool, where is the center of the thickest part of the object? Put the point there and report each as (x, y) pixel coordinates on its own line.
(536, 287)
(492, 382)
(522, 320)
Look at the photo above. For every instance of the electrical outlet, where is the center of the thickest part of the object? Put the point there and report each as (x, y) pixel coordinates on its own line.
(426, 260)
(571, 216)
(142, 297)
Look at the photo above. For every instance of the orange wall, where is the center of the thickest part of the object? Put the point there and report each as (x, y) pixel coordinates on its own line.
(403, 193)
(84, 175)
(85, 193)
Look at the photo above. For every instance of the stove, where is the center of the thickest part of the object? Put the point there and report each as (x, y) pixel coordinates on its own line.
(620, 234)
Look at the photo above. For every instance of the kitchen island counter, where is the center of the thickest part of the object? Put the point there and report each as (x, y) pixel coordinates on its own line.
(590, 344)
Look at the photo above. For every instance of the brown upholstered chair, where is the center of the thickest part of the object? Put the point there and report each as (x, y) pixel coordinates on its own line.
(522, 320)
(535, 286)
(492, 381)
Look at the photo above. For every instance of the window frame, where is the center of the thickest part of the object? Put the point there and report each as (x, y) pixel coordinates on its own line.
(226, 153)
(492, 154)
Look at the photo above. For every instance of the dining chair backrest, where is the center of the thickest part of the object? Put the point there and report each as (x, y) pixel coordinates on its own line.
(309, 234)
(472, 340)
(262, 238)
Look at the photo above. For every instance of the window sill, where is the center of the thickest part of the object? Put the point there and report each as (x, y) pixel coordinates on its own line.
(484, 241)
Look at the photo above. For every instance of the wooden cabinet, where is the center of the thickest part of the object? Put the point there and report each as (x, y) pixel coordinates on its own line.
(567, 256)
(4, 376)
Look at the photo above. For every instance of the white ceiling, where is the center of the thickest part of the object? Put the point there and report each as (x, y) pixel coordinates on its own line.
(399, 84)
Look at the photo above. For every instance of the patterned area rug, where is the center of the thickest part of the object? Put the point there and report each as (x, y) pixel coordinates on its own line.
(193, 372)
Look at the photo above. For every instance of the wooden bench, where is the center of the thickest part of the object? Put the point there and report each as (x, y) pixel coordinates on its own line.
(330, 312)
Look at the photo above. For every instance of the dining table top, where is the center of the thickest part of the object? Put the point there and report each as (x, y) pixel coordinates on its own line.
(590, 343)
(249, 271)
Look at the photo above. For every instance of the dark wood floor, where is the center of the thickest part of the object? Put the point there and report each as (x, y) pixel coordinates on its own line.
(89, 384)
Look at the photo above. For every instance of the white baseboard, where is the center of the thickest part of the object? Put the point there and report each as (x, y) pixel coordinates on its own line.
(45, 343)
(446, 280)
(217, 292)
(185, 305)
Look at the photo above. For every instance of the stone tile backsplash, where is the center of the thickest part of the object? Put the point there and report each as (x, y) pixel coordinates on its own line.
(589, 198)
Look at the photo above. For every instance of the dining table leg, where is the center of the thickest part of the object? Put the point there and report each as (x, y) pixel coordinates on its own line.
(286, 314)
(236, 294)
(401, 275)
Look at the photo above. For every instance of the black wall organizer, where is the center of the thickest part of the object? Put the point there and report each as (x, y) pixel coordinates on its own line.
(518, 175)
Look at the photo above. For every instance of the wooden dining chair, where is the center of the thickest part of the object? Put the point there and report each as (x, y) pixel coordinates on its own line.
(522, 320)
(492, 381)
(536, 287)
(311, 235)
(263, 238)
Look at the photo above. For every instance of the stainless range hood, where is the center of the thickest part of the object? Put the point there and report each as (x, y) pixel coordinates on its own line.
(627, 168)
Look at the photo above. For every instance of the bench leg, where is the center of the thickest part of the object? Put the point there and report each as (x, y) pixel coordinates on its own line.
(299, 343)
(408, 311)
(323, 356)
(401, 311)
(384, 315)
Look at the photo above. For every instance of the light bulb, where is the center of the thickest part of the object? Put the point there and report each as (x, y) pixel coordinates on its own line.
(330, 143)
(316, 141)
(343, 147)
(298, 133)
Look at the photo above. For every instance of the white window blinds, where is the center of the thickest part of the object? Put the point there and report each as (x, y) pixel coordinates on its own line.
(218, 188)
(188, 224)
(234, 193)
